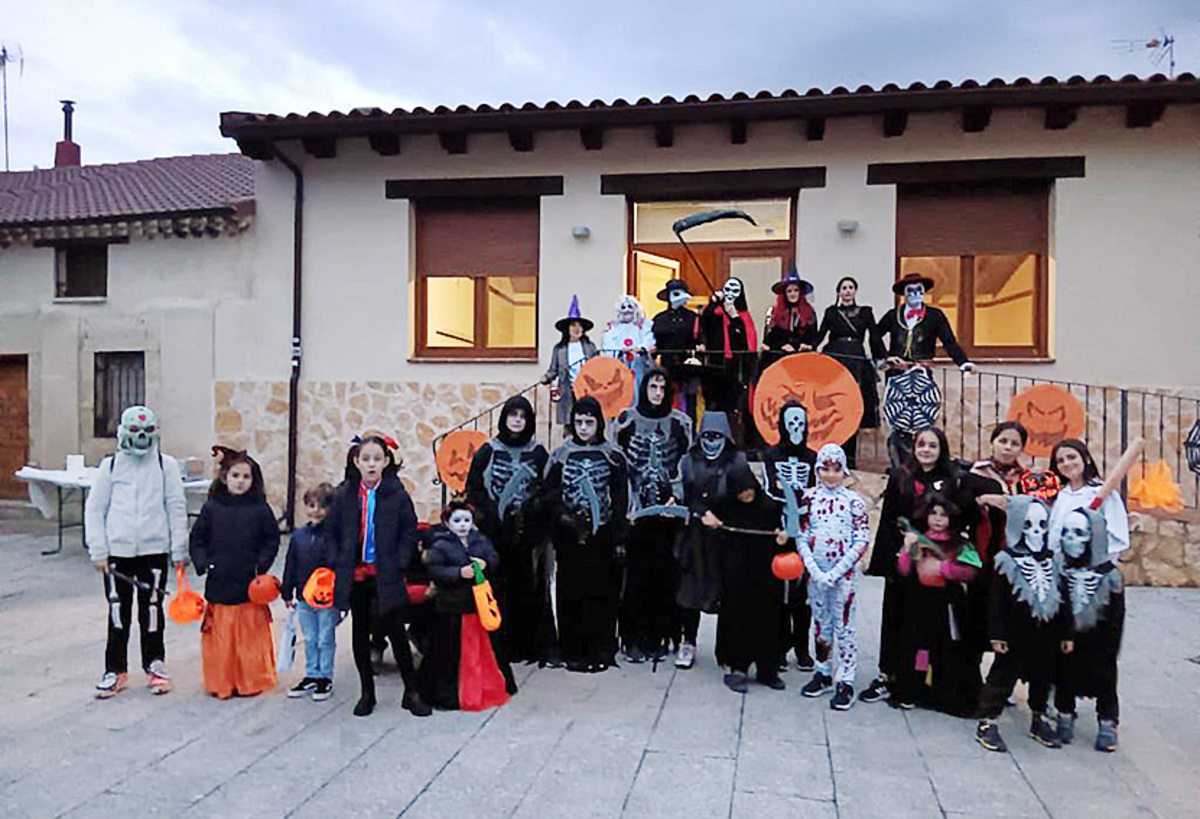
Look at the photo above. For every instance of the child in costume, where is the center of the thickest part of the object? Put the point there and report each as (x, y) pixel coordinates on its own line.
(835, 541)
(136, 521)
(1028, 624)
(1080, 483)
(1094, 588)
(940, 668)
(376, 530)
(629, 338)
(461, 669)
(587, 488)
(567, 357)
(234, 540)
(309, 549)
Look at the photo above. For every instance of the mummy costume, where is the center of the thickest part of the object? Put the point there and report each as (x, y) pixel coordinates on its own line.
(654, 438)
(835, 541)
(1094, 590)
(586, 491)
(503, 486)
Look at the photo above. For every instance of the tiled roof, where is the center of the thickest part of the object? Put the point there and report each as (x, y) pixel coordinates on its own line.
(840, 101)
(165, 186)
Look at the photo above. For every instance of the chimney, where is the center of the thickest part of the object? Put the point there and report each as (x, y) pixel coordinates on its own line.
(66, 153)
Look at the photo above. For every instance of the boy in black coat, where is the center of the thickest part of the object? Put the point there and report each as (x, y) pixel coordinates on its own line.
(309, 549)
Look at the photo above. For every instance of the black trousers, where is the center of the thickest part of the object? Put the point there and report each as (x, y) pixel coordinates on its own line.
(795, 620)
(151, 570)
(1003, 676)
(1104, 678)
(648, 608)
(365, 619)
(689, 624)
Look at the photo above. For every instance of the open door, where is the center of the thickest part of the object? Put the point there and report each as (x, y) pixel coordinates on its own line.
(14, 423)
(652, 274)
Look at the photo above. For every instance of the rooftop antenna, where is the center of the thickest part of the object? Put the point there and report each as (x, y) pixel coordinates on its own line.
(1161, 47)
(5, 59)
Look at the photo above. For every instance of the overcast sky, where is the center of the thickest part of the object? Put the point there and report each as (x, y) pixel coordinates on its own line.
(151, 78)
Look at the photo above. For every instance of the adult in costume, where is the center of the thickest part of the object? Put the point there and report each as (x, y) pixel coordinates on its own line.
(791, 325)
(729, 338)
(676, 328)
(629, 338)
(567, 357)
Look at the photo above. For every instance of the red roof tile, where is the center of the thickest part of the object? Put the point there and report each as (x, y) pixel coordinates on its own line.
(169, 185)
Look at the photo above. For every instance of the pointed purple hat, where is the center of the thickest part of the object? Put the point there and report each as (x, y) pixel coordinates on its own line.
(573, 315)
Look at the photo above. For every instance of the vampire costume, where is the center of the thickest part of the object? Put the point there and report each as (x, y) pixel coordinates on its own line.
(791, 471)
(1027, 623)
(1094, 589)
(503, 487)
(728, 334)
(653, 438)
(587, 496)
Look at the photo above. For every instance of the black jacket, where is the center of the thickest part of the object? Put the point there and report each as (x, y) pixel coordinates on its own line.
(235, 539)
(310, 548)
(395, 541)
(934, 327)
(446, 557)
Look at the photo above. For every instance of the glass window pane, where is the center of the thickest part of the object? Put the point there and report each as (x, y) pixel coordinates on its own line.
(450, 311)
(652, 221)
(511, 311)
(757, 275)
(1004, 300)
(944, 270)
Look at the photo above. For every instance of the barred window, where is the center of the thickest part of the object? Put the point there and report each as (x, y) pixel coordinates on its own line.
(120, 383)
(81, 271)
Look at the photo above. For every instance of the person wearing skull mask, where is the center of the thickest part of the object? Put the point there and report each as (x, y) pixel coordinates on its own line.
(729, 337)
(136, 522)
(654, 439)
(1028, 624)
(705, 471)
(629, 338)
(461, 668)
(1094, 589)
(911, 332)
(504, 487)
(791, 471)
(587, 493)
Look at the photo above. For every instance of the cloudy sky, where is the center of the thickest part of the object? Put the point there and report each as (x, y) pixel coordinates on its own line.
(151, 78)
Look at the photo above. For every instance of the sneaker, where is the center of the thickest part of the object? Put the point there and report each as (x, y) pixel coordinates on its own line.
(876, 691)
(1066, 728)
(896, 701)
(782, 665)
(806, 663)
(818, 685)
(322, 691)
(987, 734)
(413, 704)
(159, 681)
(1106, 737)
(774, 683)
(303, 687)
(843, 697)
(1044, 731)
(686, 658)
(633, 655)
(737, 682)
(110, 684)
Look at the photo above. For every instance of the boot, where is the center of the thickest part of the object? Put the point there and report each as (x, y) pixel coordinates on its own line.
(1066, 728)
(1106, 737)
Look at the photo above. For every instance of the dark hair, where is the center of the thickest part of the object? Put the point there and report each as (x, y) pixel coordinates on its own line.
(390, 468)
(456, 506)
(926, 505)
(321, 494)
(1090, 472)
(1015, 426)
(227, 459)
(838, 290)
(942, 468)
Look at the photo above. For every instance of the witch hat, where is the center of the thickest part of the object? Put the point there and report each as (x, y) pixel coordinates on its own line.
(573, 315)
(792, 277)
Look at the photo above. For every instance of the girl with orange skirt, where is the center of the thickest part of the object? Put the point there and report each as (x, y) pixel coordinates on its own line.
(234, 540)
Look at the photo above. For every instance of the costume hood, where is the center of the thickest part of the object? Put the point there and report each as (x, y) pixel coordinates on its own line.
(517, 402)
(716, 422)
(644, 407)
(587, 405)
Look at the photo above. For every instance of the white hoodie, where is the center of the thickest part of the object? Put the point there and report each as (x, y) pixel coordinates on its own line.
(136, 506)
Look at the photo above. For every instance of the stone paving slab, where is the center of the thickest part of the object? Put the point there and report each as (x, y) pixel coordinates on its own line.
(630, 742)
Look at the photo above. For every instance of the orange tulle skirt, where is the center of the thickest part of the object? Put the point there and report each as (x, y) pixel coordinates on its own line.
(238, 650)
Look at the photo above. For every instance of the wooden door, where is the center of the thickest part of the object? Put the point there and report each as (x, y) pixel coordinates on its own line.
(14, 423)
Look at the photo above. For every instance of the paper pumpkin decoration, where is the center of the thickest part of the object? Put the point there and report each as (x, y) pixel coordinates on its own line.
(454, 455)
(263, 589)
(1050, 414)
(912, 400)
(1192, 448)
(318, 591)
(1156, 489)
(187, 606)
(787, 565)
(608, 381)
(826, 389)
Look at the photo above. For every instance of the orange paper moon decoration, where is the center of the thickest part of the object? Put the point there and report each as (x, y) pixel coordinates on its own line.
(454, 456)
(826, 389)
(608, 381)
(787, 565)
(1050, 414)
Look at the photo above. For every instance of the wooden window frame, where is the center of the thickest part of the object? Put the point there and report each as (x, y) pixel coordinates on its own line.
(62, 269)
(101, 421)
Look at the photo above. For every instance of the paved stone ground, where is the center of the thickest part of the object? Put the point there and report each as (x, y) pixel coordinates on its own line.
(625, 743)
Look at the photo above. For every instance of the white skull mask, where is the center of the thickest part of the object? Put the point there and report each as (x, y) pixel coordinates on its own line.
(732, 290)
(1036, 527)
(1076, 534)
(628, 310)
(914, 295)
(712, 444)
(460, 522)
(795, 423)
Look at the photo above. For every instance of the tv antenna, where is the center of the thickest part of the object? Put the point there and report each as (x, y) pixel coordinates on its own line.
(5, 59)
(1162, 48)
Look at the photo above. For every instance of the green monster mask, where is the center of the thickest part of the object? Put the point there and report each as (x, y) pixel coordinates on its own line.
(138, 432)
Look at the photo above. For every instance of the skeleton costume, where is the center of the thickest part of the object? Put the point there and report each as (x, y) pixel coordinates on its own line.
(1027, 610)
(654, 438)
(1094, 590)
(834, 542)
(586, 491)
(629, 338)
(791, 471)
(503, 487)
(729, 336)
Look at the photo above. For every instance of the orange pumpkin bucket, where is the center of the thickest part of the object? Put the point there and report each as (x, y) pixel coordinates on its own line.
(1050, 414)
(826, 389)
(454, 456)
(187, 606)
(318, 590)
(263, 589)
(485, 601)
(787, 565)
(608, 381)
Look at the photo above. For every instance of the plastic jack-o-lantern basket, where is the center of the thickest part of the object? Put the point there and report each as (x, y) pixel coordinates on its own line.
(263, 589)
(787, 566)
(318, 590)
(187, 606)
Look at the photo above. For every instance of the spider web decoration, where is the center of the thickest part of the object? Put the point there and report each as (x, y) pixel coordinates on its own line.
(1192, 447)
(912, 400)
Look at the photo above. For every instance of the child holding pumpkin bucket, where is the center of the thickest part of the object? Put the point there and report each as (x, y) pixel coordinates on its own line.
(234, 540)
(460, 670)
(310, 549)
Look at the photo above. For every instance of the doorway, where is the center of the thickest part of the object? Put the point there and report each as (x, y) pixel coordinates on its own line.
(14, 423)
